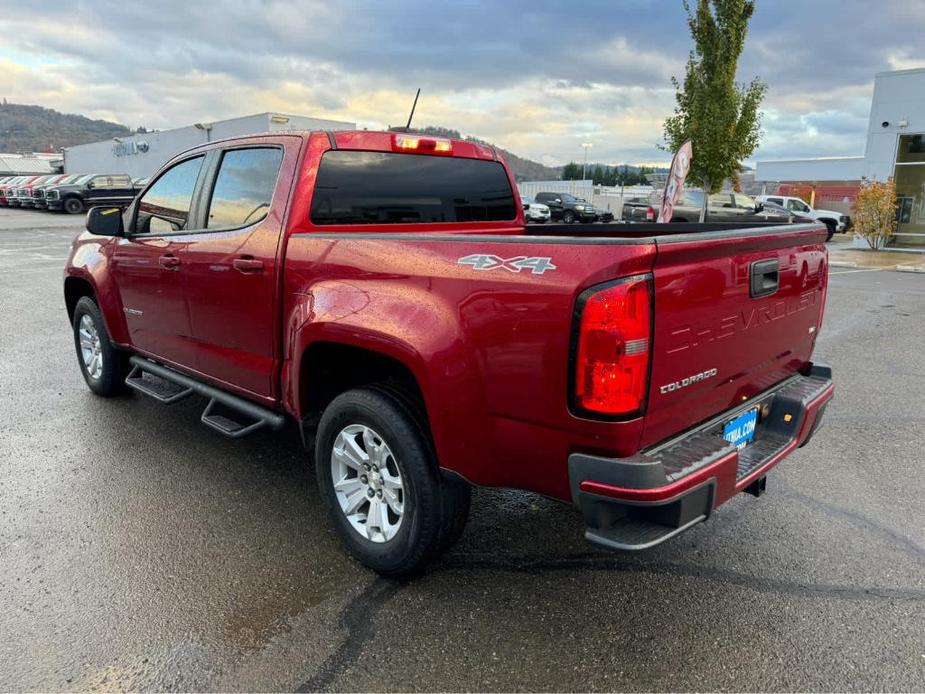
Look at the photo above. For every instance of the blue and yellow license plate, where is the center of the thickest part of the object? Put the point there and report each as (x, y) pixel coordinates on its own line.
(741, 430)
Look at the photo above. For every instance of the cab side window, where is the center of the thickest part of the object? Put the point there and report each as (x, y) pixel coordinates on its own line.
(743, 202)
(165, 207)
(797, 206)
(244, 187)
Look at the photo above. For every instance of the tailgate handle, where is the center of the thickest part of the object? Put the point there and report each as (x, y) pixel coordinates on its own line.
(765, 277)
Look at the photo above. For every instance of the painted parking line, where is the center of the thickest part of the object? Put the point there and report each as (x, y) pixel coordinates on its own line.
(867, 269)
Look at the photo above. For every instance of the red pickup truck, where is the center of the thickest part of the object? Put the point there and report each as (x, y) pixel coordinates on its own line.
(382, 292)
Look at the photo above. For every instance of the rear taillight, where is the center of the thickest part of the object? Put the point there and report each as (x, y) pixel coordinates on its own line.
(612, 353)
(651, 214)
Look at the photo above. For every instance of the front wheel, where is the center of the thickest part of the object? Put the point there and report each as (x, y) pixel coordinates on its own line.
(379, 481)
(104, 368)
(568, 217)
(73, 205)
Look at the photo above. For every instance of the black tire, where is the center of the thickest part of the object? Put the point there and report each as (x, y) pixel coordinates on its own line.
(568, 217)
(115, 364)
(73, 205)
(831, 227)
(435, 508)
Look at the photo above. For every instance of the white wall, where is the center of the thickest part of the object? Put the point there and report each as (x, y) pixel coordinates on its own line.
(127, 157)
(898, 96)
(824, 169)
(581, 189)
(605, 197)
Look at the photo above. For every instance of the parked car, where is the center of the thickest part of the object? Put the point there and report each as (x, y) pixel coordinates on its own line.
(38, 192)
(535, 211)
(603, 215)
(382, 291)
(564, 207)
(835, 221)
(139, 183)
(732, 207)
(639, 209)
(97, 189)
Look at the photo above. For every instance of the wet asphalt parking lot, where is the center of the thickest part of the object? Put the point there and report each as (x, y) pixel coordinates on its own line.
(140, 550)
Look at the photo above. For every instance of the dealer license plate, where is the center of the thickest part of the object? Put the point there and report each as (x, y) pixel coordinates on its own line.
(741, 430)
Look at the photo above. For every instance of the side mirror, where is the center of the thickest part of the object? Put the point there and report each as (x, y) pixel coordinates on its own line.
(558, 201)
(105, 221)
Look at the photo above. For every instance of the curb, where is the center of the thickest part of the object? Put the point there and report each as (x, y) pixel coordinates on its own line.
(911, 268)
(842, 263)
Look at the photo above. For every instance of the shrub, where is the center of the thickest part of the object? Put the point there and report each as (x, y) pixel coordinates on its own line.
(875, 212)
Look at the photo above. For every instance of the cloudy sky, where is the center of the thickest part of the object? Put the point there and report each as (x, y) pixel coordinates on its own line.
(535, 77)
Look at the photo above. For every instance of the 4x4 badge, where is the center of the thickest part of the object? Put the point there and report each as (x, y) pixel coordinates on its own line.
(481, 261)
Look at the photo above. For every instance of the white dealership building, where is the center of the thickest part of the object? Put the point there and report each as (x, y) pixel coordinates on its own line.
(142, 154)
(895, 148)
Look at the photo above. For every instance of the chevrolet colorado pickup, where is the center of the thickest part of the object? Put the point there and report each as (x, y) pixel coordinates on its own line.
(382, 292)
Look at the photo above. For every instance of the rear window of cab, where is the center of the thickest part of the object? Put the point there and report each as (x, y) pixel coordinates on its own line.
(354, 187)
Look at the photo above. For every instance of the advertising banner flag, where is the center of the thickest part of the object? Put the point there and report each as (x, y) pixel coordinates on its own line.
(680, 165)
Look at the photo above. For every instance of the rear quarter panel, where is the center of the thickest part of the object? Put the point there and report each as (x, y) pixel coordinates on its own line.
(489, 348)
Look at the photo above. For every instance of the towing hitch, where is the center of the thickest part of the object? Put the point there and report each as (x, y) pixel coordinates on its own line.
(758, 487)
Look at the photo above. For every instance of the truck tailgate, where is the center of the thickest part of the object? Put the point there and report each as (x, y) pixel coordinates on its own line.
(729, 322)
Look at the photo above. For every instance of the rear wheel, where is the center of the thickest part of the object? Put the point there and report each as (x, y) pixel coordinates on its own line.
(379, 480)
(831, 227)
(73, 205)
(104, 368)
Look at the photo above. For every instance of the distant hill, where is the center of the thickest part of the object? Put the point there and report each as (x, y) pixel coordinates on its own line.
(524, 169)
(36, 129)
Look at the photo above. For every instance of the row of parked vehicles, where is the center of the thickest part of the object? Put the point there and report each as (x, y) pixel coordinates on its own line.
(562, 207)
(723, 207)
(730, 206)
(71, 193)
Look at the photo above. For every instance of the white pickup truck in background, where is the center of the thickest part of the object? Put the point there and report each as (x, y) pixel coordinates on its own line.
(835, 221)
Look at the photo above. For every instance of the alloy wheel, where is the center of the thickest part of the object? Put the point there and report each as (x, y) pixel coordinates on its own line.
(367, 483)
(90, 347)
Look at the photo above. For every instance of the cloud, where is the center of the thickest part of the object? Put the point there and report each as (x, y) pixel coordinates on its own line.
(535, 77)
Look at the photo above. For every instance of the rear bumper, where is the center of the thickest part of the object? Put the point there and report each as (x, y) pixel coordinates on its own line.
(639, 502)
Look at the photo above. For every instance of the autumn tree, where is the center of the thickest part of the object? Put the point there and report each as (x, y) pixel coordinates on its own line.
(718, 115)
(875, 212)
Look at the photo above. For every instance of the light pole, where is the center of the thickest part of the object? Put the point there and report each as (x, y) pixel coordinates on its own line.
(584, 164)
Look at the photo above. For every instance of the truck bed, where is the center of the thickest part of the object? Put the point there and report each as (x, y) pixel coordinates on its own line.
(650, 231)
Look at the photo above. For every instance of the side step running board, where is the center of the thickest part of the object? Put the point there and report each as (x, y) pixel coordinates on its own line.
(170, 386)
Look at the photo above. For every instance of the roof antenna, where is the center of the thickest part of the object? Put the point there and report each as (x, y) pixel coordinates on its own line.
(413, 106)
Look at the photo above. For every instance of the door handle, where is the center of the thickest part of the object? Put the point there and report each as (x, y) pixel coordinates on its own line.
(764, 277)
(169, 262)
(248, 265)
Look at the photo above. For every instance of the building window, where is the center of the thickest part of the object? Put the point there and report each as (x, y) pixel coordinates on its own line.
(909, 176)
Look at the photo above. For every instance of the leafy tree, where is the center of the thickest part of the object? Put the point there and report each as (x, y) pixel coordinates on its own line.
(875, 212)
(719, 116)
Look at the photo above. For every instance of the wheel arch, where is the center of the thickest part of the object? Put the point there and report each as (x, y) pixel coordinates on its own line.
(328, 368)
(75, 288)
